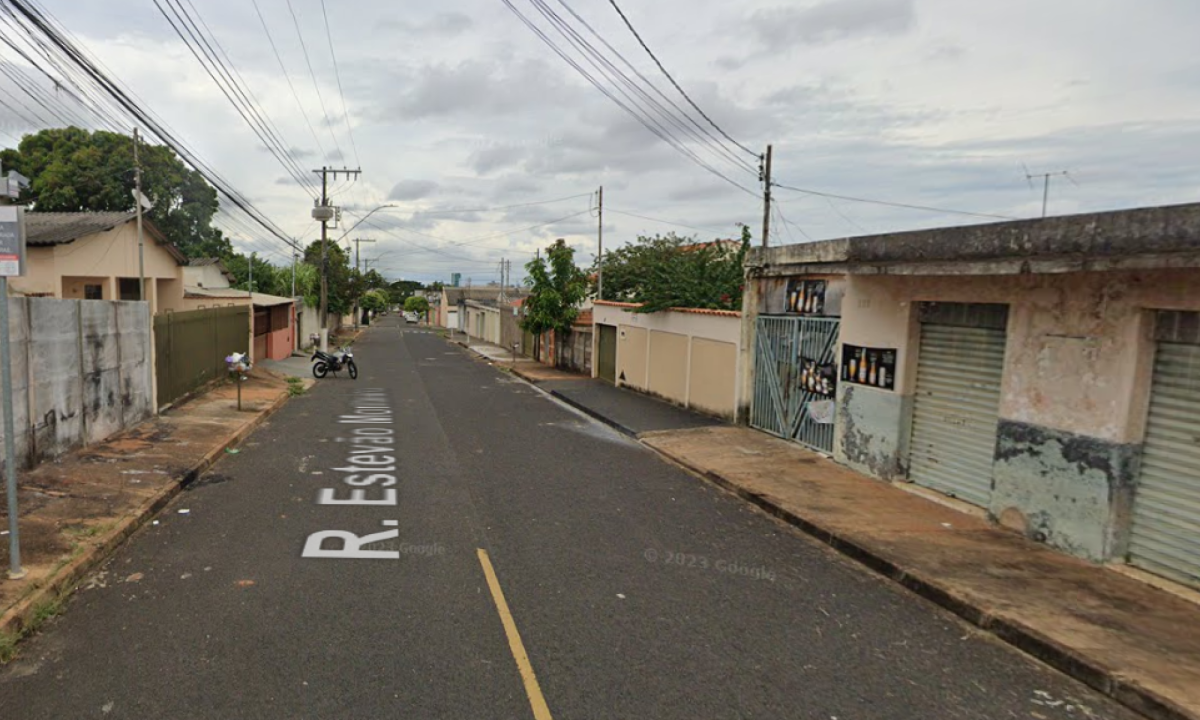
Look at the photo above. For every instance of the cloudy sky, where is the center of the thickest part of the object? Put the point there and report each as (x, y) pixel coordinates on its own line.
(457, 105)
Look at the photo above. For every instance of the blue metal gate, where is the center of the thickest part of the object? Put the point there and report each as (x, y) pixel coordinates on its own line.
(795, 369)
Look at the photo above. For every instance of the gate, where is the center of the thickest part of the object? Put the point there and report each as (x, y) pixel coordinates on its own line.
(190, 347)
(606, 364)
(795, 366)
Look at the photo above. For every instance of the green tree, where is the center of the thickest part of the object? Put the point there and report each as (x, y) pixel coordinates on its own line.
(669, 271)
(374, 301)
(556, 288)
(417, 304)
(344, 281)
(268, 278)
(71, 170)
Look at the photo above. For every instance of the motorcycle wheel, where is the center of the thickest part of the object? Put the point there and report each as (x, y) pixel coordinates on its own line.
(353, 369)
(320, 369)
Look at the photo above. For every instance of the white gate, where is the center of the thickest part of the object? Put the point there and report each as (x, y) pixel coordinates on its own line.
(956, 410)
(1165, 537)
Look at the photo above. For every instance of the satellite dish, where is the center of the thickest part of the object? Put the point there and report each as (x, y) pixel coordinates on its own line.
(145, 202)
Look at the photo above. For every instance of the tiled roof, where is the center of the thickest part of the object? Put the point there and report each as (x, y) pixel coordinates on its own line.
(47, 229)
(204, 262)
(52, 228)
(262, 299)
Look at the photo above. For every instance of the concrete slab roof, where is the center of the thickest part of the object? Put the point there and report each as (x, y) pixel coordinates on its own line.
(1086, 241)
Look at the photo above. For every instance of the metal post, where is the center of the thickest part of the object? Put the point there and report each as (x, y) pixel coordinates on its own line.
(10, 447)
(767, 199)
(324, 266)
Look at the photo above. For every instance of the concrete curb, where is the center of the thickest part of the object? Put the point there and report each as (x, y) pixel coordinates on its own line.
(1065, 659)
(62, 584)
(594, 414)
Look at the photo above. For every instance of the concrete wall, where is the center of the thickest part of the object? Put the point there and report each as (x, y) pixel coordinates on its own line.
(1074, 393)
(80, 372)
(205, 276)
(689, 357)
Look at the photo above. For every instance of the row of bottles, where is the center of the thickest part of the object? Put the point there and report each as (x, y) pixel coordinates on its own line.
(805, 299)
(867, 371)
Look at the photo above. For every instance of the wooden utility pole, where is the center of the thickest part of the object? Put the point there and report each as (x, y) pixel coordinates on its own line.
(324, 213)
(600, 248)
(767, 199)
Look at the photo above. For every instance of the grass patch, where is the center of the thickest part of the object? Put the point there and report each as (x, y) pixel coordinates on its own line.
(295, 387)
(86, 531)
(42, 614)
(8, 646)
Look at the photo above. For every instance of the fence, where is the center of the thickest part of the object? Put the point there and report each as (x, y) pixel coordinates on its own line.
(79, 372)
(191, 347)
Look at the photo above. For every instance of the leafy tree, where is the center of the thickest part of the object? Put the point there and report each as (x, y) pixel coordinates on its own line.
(417, 304)
(71, 170)
(374, 301)
(268, 278)
(556, 288)
(344, 282)
(402, 290)
(670, 271)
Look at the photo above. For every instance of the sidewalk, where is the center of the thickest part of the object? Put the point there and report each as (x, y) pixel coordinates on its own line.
(77, 510)
(1137, 644)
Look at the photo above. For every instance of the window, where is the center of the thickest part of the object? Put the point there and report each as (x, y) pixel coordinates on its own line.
(130, 289)
(93, 292)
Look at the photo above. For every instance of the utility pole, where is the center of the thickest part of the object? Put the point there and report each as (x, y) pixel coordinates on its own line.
(294, 256)
(357, 266)
(324, 213)
(600, 248)
(250, 279)
(766, 178)
(137, 201)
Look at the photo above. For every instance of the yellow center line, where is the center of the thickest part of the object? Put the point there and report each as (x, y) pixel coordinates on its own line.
(532, 689)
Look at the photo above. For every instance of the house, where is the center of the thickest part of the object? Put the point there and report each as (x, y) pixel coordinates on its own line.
(1046, 372)
(273, 318)
(448, 306)
(94, 256)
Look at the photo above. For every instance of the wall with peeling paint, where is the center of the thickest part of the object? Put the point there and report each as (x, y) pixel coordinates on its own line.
(79, 372)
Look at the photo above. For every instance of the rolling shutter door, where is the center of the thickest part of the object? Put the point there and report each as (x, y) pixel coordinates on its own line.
(956, 410)
(1165, 538)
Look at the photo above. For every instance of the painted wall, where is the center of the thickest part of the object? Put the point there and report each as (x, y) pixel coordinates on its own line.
(686, 356)
(80, 372)
(206, 276)
(106, 255)
(1074, 395)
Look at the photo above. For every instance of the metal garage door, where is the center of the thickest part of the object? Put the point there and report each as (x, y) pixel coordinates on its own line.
(1166, 510)
(956, 407)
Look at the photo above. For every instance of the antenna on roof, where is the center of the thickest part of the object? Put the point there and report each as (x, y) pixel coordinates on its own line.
(1046, 183)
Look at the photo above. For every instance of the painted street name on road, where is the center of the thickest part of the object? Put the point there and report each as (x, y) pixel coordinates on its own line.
(371, 477)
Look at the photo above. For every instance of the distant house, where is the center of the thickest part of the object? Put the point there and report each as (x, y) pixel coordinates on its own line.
(450, 315)
(206, 283)
(94, 256)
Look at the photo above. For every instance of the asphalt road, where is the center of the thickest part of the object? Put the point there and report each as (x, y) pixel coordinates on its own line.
(636, 590)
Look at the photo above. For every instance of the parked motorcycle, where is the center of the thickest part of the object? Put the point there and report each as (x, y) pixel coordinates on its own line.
(343, 359)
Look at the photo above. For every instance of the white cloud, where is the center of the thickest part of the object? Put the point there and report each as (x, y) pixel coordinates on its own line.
(933, 102)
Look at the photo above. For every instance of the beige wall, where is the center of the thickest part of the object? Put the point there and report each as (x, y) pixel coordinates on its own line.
(668, 366)
(205, 276)
(1079, 345)
(709, 389)
(105, 255)
(690, 358)
(632, 344)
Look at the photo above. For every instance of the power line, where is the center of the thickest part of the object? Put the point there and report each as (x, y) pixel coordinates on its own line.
(502, 207)
(288, 77)
(700, 134)
(595, 83)
(664, 222)
(223, 78)
(888, 203)
(664, 72)
(338, 74)
(313, 75)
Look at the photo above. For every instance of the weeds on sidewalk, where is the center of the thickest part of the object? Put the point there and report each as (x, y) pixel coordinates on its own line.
(41, 614)
(295, 386)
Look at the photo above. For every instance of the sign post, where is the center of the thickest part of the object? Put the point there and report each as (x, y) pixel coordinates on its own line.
(12, 263)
